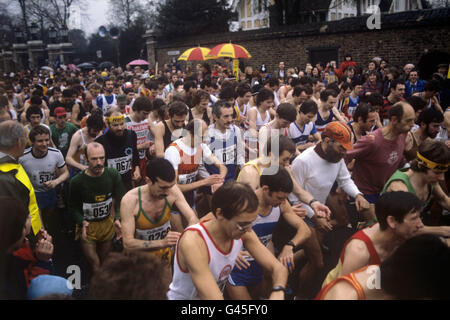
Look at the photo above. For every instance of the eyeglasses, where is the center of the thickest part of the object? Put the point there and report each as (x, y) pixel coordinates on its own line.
(243, 228)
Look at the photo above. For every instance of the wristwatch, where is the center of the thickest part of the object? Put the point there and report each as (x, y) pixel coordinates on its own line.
(290, 243)
(313, 200)
(278, 288)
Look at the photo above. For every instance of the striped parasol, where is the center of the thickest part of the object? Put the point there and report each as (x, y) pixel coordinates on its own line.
(196, 54)
(229, 50)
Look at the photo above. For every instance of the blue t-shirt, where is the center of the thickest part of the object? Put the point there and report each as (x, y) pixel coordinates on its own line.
(301, 137)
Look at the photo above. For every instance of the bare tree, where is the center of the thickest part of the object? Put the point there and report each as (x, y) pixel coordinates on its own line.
(125, 11)
(54, 12)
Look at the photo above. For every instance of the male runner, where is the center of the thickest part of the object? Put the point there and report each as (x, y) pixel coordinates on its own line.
(246, 279)
(120, 146)
(422, 179)
(167, 131)
(316, 169)
(107, 100)
(206, 252)
(252, 170)
(146, 211)
(186, 155)
(47, 169)
(137, 121)
(303, 131)
(398, 215)
(285, 115)
(417, 270)
(62, 131)
(75, 155)
(94, 202)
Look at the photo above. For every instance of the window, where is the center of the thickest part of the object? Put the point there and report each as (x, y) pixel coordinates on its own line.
(249, 24)
(264, 22)
(339, 15)
(257, 23)
(333, 16)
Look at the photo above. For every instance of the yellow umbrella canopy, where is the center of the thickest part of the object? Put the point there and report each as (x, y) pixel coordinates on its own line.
(196, 54)
(229, 50)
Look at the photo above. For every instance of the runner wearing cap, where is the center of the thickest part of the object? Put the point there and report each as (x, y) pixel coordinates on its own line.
(315, 170)
(62, 131)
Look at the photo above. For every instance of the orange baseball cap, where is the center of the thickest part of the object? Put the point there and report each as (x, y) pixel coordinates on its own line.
(340, 132)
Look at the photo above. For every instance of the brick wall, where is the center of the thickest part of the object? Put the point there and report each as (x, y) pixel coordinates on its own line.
(403, 38)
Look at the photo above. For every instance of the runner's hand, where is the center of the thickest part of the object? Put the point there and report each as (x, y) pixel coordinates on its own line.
(171, 239)
(361, 203)
(299, 211)
(286, 257)
(321, 210)
(52, 184)
(84, 231)
(213, 179)
(323, 224)
(241, 262)
(118, 229)
(136, 174)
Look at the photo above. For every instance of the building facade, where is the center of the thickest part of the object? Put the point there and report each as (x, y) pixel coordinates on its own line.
(252, 14)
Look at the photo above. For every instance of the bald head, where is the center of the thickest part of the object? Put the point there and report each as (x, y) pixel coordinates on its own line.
(402, 116)
(94, 147)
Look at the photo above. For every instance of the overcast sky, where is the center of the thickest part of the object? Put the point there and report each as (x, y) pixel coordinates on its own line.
(97, 12)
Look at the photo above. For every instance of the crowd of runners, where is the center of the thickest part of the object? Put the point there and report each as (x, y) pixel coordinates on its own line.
(188, 183)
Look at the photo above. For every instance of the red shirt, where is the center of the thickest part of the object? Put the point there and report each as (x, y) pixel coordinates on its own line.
(376, 160)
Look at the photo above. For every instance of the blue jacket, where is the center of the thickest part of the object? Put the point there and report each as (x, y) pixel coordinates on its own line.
(410, 89)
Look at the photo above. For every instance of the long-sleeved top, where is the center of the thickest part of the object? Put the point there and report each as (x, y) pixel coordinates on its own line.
(317, 175)
(377, 159)
(371, 87)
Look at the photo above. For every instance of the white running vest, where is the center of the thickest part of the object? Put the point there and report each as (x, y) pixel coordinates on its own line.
(220, 264)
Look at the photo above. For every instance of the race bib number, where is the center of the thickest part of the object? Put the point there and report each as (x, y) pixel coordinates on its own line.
(265, 239)
(226, 155)
(187, 178)
(97, 211)
(154, 234)
(44, 177)
(123, 164)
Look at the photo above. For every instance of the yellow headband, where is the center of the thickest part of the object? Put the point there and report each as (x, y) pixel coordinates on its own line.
(116, 120)
(431, 164)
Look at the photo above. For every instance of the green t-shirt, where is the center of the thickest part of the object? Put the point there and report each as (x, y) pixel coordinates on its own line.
(61, 137)
(400, 175)
(91, 197)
